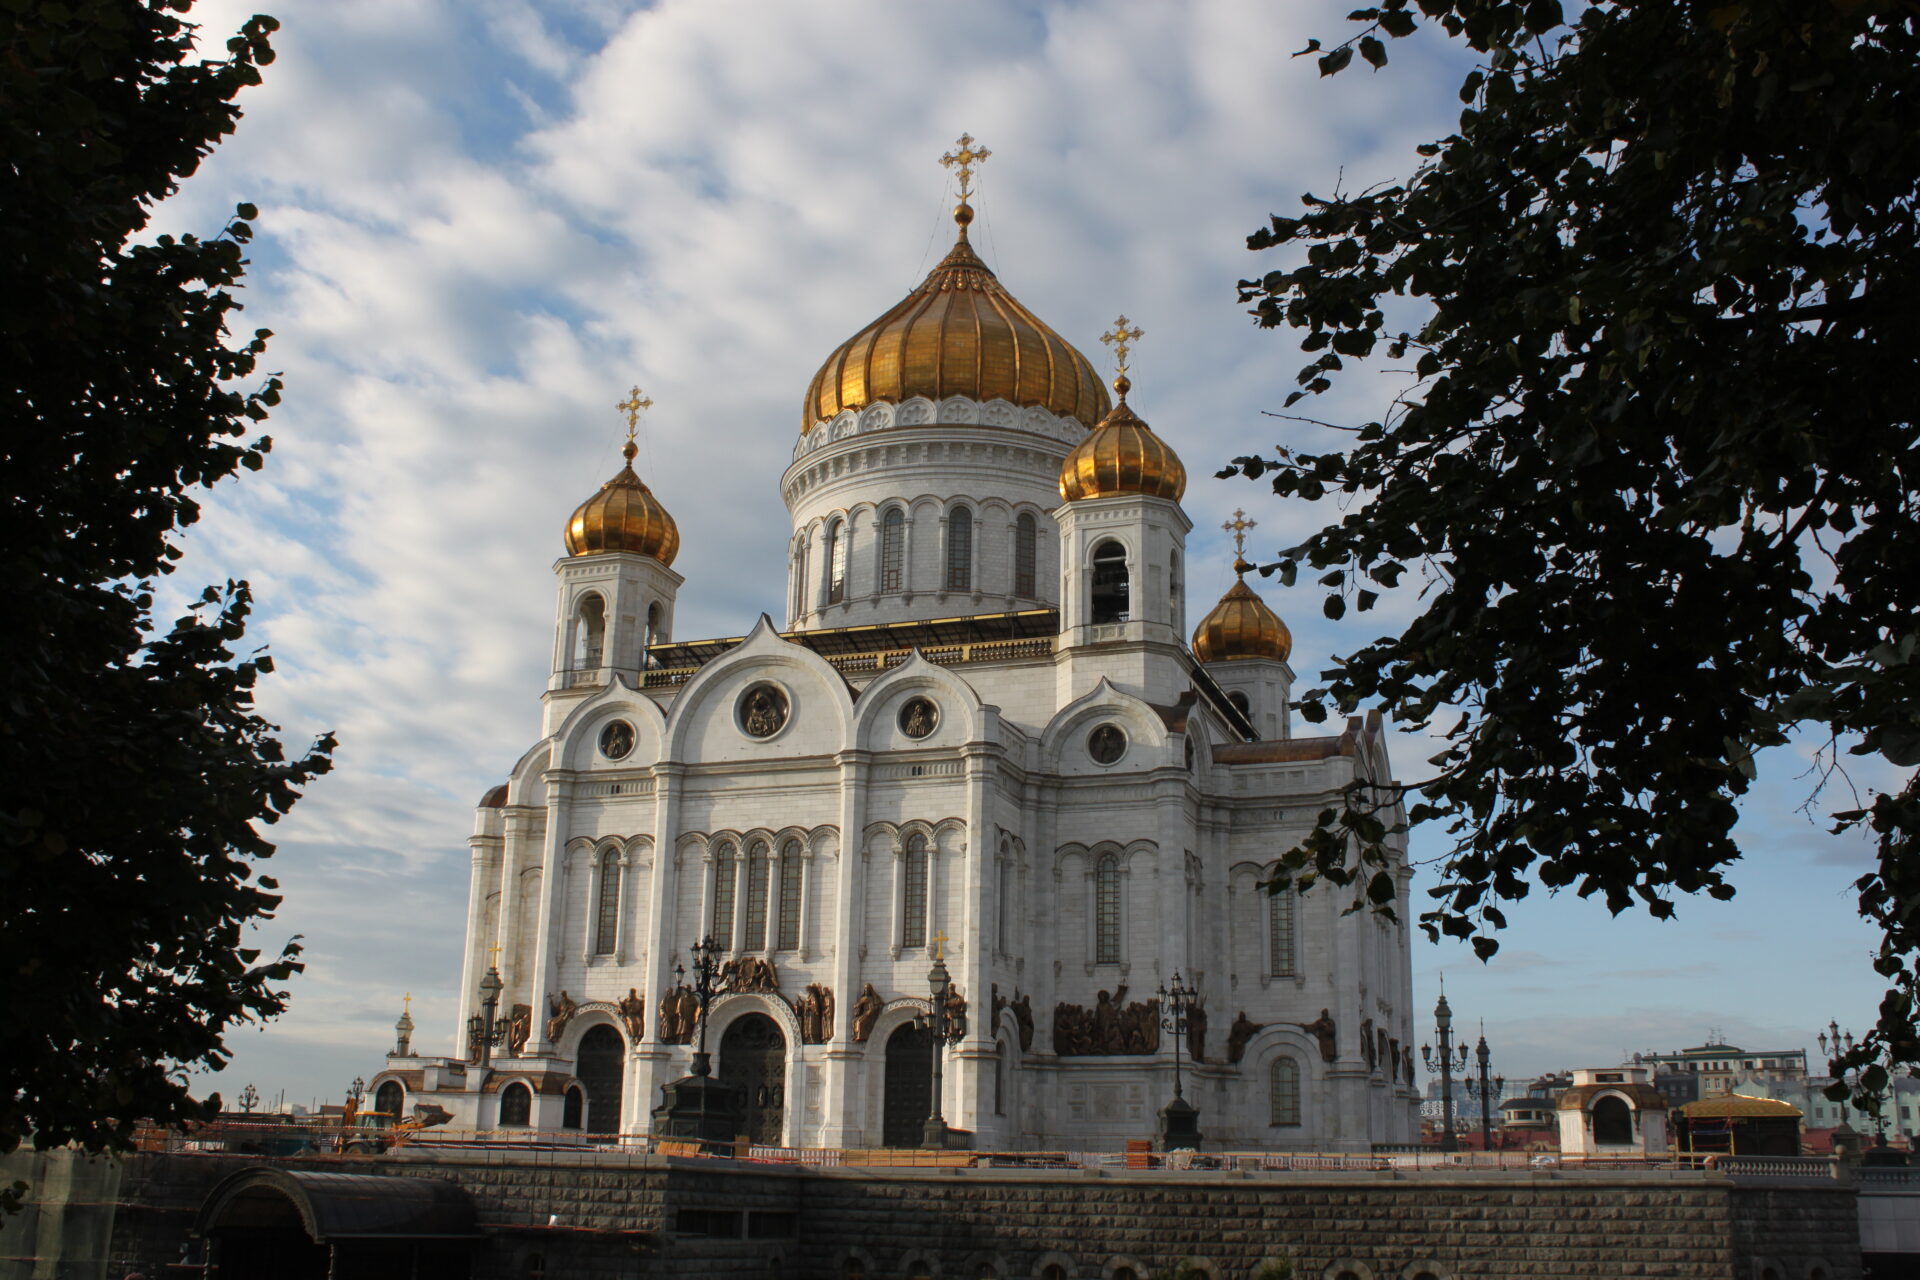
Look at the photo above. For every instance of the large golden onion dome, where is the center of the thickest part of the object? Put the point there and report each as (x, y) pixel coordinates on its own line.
(960, 333)
(623, 516)
(1241, 626)
(1122, 455)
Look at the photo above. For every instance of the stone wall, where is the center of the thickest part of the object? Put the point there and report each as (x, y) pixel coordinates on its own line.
(563, 1214)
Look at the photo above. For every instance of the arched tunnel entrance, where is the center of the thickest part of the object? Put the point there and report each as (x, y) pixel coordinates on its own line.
(292, 1224)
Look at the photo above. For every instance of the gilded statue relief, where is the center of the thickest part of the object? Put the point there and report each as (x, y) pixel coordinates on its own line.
(633, 1015)
(519, 1028)
(1322, 1029)
(866, 1012)
(1243, 1030)
(748, 975)
(814, 1009)
(1111, 1027)
(679, 1012)
(561, 1007)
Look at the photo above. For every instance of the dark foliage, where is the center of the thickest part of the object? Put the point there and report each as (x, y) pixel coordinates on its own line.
(134, 774)
(1659, 464)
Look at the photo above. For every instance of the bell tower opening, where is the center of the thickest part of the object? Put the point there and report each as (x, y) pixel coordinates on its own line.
(1110, 583)
(590, 633)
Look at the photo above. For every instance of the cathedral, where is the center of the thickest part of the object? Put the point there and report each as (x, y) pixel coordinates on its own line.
(984, 735)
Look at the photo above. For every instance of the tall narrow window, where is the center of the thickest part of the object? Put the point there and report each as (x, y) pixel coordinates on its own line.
(1000, 1078)
(1173, 590)
(656, 634)
(893, 550)
(913, 929)
(1280, 909)
(800, 591)
(960, 550)
(1109, 583)
(606, 922)
(722, 927)
(516, 1106)
(836, 562)
(1106, 911)
(1026, 539)
(1004, 916)
(757, 860)
(590, 633)
(1283, 1091)
(790, 869)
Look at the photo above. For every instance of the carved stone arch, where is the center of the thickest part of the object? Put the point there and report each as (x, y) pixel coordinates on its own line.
(526, 781)
(869, 1265)
(963, 716)
(986, 1257)
(1339, 1268)
(925, 505)
(1147, 849)
(823, 841)
(734, 1005)
(638, 849)
(576, 741)
(1070, 725)
(692, 846)
(1072, 849)
(1055, 1258)
(1119, 1260)
(586, 1015)
(950, 835)
(1425, 1269)
(780, 839)
(892, 1014)
(886, 835)
(575, 847)
(998, 505)
(917, 827)
(763, 655)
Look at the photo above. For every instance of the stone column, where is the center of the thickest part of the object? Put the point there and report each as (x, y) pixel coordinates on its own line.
(845, 1071)
(552, 900)
(653, 1061)
(483, 876)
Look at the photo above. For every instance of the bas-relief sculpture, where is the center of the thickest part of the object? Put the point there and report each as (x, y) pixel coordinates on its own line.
(814, 1009)
(1323, 1030)
(1110, 1027)
(561, 1007)
(679, 1011)
(866, 1012)
(519, 1028)
(1242, 1031)
(633, 1015)
(750, 975)
(1022, 1007)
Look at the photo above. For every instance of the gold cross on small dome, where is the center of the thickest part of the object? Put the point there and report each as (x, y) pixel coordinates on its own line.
(1238, 527)
(406, 1004)
(633, 406)
(1121, 339)
(939, 945)
(965, 159)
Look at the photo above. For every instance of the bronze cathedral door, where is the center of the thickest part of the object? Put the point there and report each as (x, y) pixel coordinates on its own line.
(753, 1058)
(600, 1062)
(909, 1097)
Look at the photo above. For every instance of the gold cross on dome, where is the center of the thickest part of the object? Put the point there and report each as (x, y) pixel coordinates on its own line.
(493, 955)
(965, 158)
(633, 406)
(940, 945)
(1238, 527)
(1121, 339)
(406, 1005)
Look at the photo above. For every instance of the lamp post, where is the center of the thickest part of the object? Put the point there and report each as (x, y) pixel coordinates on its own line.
(249, 1099)
(1179, 1119)
(706, 974)
(697, 1106)
(1835, 1043)
(1444, 1063)
(484, 1030)
(1484, 1088)
(933, 1134)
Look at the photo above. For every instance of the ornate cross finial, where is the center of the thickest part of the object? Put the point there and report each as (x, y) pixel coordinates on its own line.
(1121, 339)
(1238, 527)
(940, 945)
(406, 1005)
(633, 406)
(493, 955)
(965, 158)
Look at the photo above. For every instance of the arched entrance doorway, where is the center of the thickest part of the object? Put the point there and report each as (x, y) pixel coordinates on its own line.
(909, 1096)
(753, 1059)
(278, 1224)
(600, 1062)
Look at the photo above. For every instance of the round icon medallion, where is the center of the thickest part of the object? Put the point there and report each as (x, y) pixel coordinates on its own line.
(1106, 744)
(616, 740)
(919, 717)
(762, 711)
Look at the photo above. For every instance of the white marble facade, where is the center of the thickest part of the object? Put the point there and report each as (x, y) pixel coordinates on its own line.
(657, 807)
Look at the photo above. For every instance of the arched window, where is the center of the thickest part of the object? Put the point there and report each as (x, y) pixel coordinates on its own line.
(656, 634)
(913, 920)
(1173, 590)
(893, 550)
(790, 871)
(800, 577)
(589, 633)
(723, 872)
(1612, 1121)
(836, 562)
(1110, 586)
(757, 860)
(1283, 1091)
(1280, 932)
(1240, 703)
(1026, 543)
(390, 1098)
(1004, 916)
(573, 1109)
(516, 1106)
(960, 550)
(1106, 911)
(606, 919)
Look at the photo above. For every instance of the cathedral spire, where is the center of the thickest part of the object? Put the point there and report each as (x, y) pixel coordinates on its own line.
(964, 159)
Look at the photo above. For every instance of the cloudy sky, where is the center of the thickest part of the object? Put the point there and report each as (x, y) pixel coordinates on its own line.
(482, 220)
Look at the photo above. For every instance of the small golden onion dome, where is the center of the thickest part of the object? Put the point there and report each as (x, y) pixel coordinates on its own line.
(623, 516)
(1122, 456)
(960, 333)
(1241, 626)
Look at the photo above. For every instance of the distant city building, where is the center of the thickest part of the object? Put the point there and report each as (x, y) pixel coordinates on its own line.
(1612, 1111)
(1718, 1066)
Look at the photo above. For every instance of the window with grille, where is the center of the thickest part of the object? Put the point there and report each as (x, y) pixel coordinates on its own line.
(913, 931)
(516, 1106)
(790, 868)
(1283, 1091)
(893, 550)
(960, 550)
(1280, 909)
(1110, 583)
(756, 899)
(722, 928)
(1106, 911)
(836, 563)
(1026, 539)
(606, 927)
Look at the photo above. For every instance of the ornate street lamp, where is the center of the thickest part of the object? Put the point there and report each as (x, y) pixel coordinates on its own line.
(697, 1106)
(1849, 1084)
(484, 1029)
(933, 1134)
(1179, 1119)
(1484, 1088)
(1444, 1063)
(249, 1099)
